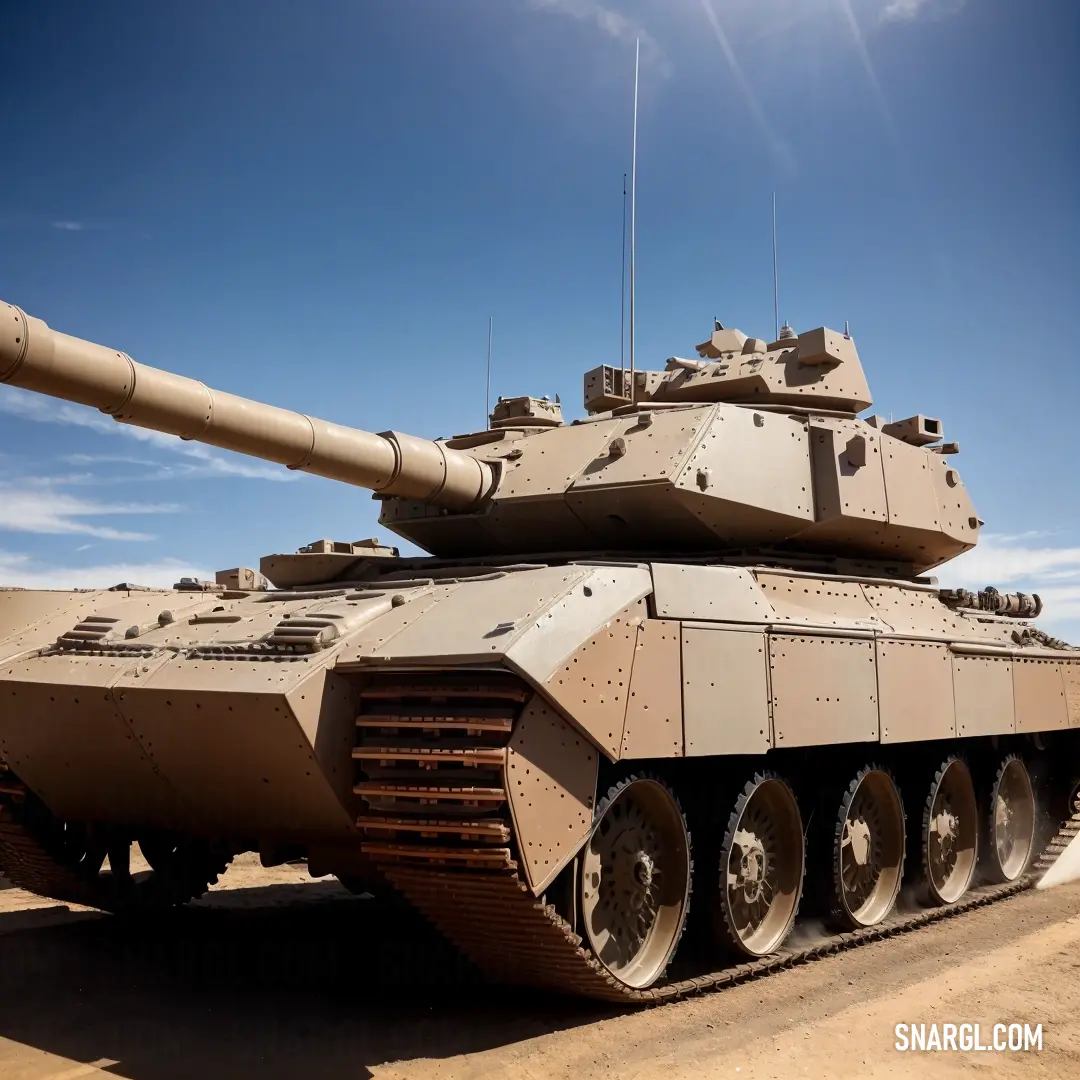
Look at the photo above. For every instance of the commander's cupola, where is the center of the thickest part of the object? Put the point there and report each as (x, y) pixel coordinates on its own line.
(817, 368)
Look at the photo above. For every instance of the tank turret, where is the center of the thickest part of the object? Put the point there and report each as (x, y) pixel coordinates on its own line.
(753, 445)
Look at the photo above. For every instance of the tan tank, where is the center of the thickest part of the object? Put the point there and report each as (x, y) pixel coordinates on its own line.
(698, 611)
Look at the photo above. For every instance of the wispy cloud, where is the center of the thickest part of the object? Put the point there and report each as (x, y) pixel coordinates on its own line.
(906, 10)
(210, 462)
(1004, 558)
(32, 509)
(37, 223)
(662, 25)
(772, 139)
(868, 66)
(22, 571)
(611, 22)
(1025, 562)
(106, 459)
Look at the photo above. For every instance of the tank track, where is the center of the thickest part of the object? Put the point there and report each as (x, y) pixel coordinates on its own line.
(514, 938)
(452, 857)
(31, 860)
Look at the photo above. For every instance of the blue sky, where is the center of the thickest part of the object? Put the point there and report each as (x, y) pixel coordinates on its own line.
(321, 205)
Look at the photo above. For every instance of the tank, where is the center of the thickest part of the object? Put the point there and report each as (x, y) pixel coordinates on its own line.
(702, 610)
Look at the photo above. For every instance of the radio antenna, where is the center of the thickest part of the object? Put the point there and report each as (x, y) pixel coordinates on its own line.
(622, 292)
(487, 391)
(633, 223)
(775, 286)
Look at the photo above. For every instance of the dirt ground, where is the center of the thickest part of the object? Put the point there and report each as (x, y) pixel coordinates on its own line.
(273, 975)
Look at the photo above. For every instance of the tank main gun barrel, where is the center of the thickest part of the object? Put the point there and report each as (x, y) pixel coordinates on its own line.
(35, 357)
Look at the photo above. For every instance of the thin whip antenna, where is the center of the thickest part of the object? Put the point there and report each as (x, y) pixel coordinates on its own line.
(622, 292)
(487, 391)
(775, 286)
(633, 223)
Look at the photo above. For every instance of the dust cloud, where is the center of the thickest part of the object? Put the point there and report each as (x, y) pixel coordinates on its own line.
(1066, 867)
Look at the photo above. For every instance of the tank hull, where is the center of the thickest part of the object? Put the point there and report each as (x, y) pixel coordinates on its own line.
(466, 735)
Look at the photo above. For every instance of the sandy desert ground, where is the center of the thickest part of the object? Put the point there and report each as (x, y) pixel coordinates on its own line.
(274, 975)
